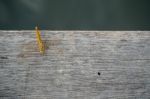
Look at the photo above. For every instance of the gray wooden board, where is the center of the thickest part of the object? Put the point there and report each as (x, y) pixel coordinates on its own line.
(69, 68)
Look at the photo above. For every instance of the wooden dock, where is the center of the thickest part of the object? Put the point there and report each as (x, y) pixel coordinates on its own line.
(76, 65)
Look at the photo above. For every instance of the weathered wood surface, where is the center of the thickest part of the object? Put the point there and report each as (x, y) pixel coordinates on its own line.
(69, 69)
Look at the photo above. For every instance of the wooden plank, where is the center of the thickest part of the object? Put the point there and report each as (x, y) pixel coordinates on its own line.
(76, 65)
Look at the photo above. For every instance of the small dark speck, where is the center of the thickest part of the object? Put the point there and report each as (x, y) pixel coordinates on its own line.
(99, 73)
(3, 57)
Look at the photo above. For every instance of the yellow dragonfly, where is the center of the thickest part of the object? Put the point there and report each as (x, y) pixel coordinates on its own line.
(39, 41)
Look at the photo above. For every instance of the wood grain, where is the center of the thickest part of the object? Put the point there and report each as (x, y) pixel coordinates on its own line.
(76, 65)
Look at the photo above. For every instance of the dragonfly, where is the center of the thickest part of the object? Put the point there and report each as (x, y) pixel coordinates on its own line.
(39, 41)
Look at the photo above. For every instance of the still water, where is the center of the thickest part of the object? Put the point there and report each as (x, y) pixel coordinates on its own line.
(75, 14)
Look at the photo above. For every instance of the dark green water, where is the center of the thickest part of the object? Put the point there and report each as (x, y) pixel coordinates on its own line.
(75, 14)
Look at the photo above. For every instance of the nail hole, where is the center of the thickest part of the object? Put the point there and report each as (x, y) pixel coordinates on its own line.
(99, 73)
